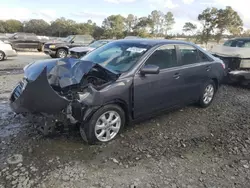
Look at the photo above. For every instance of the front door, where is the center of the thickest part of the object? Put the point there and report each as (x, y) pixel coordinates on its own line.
(154, 92)
(32, 41)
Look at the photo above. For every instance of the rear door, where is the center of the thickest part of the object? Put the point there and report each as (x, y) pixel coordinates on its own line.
(195, 68)
(154, 92)
(32, 41)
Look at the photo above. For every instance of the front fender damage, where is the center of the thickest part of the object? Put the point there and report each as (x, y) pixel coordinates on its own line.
(37, 97)
(39, 101)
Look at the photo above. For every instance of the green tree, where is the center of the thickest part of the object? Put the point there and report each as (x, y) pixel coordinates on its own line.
(141, 27)
(98, 32)
(246, 33)
(114, 26)
(189, 28)
(62, 27)
(130, 22)
(168, 22)
(37, 26)
(208, 20)
(85, 28)
(228, 20)
(157, 23)
(2, 26)
(12, 26)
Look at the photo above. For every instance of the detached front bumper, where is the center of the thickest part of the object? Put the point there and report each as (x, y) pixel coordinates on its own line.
(37, 97)
(239, 76)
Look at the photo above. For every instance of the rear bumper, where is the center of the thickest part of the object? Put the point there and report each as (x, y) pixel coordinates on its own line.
(10, 53)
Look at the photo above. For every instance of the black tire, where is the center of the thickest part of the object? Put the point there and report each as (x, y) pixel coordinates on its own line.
(61, 51)
(52, 56)
(87, 130)
(202, 102)
(2, 55)
(40, 47)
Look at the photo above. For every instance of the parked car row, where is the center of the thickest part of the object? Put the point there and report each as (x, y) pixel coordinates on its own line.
(76, 46)
(115, 84)
(60, 49)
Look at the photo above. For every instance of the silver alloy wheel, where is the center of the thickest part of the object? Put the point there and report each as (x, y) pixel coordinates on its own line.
(107, 126)
(1, 56)
(208, 94)
(62, 54)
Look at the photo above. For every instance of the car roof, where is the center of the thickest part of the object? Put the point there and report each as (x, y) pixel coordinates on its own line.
(154, 42)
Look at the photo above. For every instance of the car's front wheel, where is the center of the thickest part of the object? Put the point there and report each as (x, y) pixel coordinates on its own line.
(104, 125)
(208, 93)
(61, 53)
(2, 55)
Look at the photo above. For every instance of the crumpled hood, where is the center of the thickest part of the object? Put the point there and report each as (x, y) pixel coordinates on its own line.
(61, 72)
(36, 93)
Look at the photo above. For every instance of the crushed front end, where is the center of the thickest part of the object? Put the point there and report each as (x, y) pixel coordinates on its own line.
(237, 62)
(59, 92)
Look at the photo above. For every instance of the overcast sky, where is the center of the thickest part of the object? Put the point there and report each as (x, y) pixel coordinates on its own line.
(97, 10)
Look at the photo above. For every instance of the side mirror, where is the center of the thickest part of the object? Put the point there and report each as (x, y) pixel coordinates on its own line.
(150, 69)
(72, 42)
(15, 37)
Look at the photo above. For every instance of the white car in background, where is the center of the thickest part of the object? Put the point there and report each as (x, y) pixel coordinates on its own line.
(6, 50)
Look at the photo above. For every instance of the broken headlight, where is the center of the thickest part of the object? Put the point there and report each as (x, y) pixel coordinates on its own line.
(245, 63)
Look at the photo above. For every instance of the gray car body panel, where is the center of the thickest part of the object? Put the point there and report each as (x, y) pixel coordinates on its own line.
(141, 95)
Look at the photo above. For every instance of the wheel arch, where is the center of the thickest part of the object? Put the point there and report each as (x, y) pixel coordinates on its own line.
(119, 102)
(63, 47)
(216, 82)
(4, 55)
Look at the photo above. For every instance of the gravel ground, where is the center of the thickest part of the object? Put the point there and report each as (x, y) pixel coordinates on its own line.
(186, 148)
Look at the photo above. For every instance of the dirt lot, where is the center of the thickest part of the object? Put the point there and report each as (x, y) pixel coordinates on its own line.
(186, 148)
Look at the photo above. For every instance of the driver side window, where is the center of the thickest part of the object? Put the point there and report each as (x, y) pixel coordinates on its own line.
(164, 57)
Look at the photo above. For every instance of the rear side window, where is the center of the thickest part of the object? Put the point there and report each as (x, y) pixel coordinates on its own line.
(191, 55)
(164, 57)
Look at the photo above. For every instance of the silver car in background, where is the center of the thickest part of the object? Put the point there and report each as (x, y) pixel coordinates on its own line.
(6, 50)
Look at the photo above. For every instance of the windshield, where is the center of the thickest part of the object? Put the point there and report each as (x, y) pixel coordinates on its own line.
(228, 43)
(117, 56)
(68, 38)
(97, 44)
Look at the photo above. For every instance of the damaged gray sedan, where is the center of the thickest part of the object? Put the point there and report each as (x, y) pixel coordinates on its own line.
(120, 82)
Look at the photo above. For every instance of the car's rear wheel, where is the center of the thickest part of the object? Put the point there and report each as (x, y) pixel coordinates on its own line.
(61, 53)
(208, 93)
(104, 125)
(2, 55)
